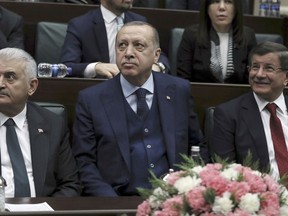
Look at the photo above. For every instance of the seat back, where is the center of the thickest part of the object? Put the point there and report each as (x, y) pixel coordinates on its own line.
(175, 39)
(269, 37)
(56, 108)
(209, 124)
(49, 41)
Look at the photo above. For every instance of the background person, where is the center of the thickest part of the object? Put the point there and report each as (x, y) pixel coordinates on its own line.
(117, 139)
(243, 124)
(89, 47)
(11, 29)
(216, 50)
(49, 167)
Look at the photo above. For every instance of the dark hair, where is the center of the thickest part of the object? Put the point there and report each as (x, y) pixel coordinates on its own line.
(271, 47)
(206, 25)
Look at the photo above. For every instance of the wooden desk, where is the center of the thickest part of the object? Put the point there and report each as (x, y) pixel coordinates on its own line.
(65, 91)
(80, 206)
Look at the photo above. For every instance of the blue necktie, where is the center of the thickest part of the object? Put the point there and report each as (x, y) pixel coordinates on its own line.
(120, 22)
(142, 106)
(22, 188)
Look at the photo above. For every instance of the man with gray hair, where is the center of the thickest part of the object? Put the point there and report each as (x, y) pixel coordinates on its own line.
(36, 159)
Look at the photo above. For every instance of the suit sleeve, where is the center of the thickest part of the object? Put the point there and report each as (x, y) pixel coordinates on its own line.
(84, 148)
(223, 139)
(71, 53)
(185, 55)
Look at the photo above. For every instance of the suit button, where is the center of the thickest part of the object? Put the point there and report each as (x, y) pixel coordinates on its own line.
(152, 165)
(148, 146)
(146, 130)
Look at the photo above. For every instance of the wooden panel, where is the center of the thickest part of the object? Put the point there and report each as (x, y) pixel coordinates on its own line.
(65, 91)
(163, 19)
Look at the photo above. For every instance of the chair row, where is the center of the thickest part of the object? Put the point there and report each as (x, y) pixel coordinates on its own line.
(48, 33)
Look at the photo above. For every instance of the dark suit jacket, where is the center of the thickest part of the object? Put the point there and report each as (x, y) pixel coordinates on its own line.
(238, 128)
(86, 41)
(193, 61)
(101, 139)
(11, 29)
(54, 168)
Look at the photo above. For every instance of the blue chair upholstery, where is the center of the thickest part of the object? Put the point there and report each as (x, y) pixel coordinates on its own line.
(269, 37)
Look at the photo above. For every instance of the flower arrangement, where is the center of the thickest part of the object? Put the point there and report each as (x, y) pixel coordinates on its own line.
(214, 190)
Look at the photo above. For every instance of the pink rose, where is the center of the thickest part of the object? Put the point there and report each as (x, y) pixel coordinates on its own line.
(173, 205)
(173, 177)
(143, 209)
(269, 199)
(238, 189)
(196, 200)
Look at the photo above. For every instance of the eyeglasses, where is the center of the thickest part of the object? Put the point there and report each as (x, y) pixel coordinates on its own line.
(266, 68)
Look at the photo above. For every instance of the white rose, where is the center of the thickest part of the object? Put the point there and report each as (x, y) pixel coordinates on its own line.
(223, 205)
(284, 210)
(250, 203)
(230, 174)
(197, 169)
(185, 184)
(159, 192)
(154, 202)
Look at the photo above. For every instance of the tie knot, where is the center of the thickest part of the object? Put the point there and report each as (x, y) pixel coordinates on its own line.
(271, 107)
(9, 122)
(141, 93)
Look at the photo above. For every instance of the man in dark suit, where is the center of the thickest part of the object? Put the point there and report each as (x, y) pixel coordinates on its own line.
(11, 29)
(48, 164)
(116, 139)
(242, 124)
(89, 44)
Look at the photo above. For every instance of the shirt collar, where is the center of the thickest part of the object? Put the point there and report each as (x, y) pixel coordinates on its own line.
(129, 89)
(18, 119)
(108, 16)
(280, 102)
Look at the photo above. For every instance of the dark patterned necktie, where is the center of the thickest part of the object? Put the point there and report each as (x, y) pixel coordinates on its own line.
(22, 188)
(278, 139)
(142, 106)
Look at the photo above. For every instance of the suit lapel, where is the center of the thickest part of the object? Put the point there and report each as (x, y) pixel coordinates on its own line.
(39, 140)
(114, 105)
(252, 117)
(166, 102)
(100, 35)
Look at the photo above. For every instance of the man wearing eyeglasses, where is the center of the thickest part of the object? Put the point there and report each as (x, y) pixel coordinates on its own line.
(257, 122)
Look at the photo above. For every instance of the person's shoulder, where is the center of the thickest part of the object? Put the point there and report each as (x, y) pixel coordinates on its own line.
(235, 103)
(135, 16)
(88, 15)
(42, 111)
(100, 87)
(171, 79)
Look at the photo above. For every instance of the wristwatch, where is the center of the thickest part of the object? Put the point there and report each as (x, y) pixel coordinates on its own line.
(161, 66)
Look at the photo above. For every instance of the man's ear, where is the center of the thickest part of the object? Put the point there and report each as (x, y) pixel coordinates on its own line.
(157, 55)
(32, 86)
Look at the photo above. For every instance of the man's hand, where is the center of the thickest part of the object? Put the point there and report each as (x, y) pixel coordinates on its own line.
(106, 70)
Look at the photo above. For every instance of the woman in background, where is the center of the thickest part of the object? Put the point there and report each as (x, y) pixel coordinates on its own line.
(216, 50)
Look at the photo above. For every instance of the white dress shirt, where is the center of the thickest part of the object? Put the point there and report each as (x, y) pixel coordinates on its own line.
(265, 115)
(111, 29)
(22, 132)
(129, 91)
